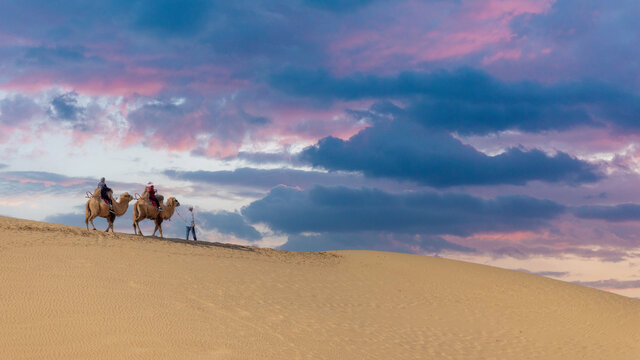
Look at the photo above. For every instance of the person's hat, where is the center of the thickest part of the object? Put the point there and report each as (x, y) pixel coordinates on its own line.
(190, 207)
(102, 179)
(150, 183)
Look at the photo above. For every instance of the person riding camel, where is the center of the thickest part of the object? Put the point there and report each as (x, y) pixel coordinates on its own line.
(151, 191)
(104, 193)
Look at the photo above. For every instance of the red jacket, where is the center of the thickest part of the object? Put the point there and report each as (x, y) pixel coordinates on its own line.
(151, 190)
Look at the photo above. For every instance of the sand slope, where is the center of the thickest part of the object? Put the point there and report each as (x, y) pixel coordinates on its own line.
(67, 293)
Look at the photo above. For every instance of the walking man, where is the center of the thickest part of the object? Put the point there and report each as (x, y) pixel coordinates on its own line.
(192, 228)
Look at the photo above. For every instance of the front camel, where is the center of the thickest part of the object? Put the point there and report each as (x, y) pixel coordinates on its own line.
(143, 210)
(95, 207)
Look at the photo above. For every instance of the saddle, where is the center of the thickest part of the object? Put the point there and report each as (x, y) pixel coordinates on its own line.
(97, 193)
(145, 197)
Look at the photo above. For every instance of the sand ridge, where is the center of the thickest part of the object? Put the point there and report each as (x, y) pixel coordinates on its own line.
(70, 293)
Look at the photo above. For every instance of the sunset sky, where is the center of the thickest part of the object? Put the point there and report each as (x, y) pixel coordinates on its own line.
(500, 132)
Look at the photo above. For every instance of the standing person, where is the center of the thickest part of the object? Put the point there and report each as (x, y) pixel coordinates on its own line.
(192, 228)
(104, 193)
(152, 195)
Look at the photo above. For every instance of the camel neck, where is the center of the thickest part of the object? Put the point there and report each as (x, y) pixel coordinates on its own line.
(120, 207)
(167, 211)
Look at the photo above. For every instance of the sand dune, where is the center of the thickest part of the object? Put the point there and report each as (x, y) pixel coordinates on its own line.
(67, 293)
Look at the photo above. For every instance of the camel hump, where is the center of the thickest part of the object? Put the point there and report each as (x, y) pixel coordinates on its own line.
(160, 198)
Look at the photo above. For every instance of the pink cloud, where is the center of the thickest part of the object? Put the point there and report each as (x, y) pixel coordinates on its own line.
(504, 54)
(36, 82)
(505, 9)
(409, 38)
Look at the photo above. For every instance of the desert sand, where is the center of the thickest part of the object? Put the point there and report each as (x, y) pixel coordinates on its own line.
(68, 293)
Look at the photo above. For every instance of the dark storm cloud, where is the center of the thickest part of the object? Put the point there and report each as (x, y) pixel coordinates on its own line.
(470, 101)
(408, 151)
(342, 210)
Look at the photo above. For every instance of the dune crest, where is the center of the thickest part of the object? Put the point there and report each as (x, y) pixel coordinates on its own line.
(69, 293)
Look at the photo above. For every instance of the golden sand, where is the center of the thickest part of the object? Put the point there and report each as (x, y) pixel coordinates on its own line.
(68, 293)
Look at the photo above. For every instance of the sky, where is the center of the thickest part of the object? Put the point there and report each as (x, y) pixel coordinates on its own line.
(498, 132)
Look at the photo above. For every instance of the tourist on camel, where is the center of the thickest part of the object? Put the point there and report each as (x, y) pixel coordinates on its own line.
(104, 193)
(151, 191)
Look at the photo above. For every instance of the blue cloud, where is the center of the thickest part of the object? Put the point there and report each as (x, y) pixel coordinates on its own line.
(171, 17)
(345, 210)
(470, 101)
(339, 5)
(228, 223)
(611, 213)
(65, 107)
(42, 56)
(407, 151)
(586, 38)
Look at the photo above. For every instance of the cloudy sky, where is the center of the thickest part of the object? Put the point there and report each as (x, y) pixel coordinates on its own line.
(500, 132)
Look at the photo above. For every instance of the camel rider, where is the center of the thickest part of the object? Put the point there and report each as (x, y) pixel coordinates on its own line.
(104, 193)
(151, 191)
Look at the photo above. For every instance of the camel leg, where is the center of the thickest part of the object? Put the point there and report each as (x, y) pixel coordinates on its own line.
(136, 224)
(110, 219)
(160, 228)
(87, 214)
(91, 221)
(155, 229)
(136, 220)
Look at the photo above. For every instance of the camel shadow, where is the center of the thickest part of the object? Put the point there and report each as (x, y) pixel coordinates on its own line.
(207, 244)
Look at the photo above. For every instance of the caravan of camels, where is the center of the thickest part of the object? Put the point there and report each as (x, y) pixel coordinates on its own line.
(148, 206)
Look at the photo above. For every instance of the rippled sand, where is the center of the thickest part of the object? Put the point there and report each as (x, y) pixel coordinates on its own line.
(68, 293)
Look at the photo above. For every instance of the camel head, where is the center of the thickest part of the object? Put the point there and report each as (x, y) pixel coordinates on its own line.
(125, 197)
(173, 202)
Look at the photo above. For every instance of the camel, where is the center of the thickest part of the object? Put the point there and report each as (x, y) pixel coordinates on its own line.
(142, 209)
(96, 207)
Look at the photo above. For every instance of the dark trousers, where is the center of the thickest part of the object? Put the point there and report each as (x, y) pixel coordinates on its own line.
(104, 192)
(191, 229)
